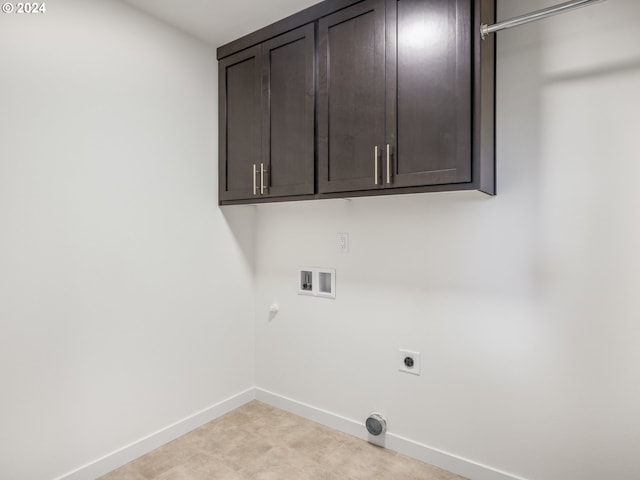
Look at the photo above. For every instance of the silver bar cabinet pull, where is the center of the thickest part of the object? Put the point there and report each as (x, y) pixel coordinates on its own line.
(262, 170)
(388, 163)
(255, 187)
(375, 164)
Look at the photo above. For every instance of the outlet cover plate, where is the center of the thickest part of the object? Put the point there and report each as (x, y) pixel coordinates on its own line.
(343, 242)
(409, 366)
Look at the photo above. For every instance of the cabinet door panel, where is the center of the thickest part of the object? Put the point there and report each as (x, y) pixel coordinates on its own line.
(351, 96)
(288, 109)
(240, 123)
(429, 91)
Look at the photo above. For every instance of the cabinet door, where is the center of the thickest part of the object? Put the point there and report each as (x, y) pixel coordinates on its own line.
(288, 103)
(240, 123)
(351, 97)
(428, 76)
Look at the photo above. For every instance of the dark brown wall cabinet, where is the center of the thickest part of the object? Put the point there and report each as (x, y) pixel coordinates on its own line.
(266, 108)
(404, 102)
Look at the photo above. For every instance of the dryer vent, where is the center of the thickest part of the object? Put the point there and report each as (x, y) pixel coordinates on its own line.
(376, 424)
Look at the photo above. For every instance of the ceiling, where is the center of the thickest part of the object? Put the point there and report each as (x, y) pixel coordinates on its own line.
(217, 22)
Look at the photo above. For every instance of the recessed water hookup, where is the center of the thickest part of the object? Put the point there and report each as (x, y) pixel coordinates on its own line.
(306, 282)
(319, 282)
(326, 283)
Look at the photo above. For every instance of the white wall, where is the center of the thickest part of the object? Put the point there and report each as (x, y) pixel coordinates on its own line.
(126, 295)
(524, 306)
(126, 300)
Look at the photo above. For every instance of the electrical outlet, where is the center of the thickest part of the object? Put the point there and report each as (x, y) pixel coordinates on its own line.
(409, 362)
(343, 242)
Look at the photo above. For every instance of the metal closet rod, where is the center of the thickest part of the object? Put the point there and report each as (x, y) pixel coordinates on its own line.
(533, 16)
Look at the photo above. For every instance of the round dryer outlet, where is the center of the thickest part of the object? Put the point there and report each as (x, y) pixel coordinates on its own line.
(376, 424)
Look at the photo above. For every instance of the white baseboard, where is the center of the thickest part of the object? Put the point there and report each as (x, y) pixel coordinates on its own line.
(453, 463)
(130, 452)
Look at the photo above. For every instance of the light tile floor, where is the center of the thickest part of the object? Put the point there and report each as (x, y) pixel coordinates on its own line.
(260, 442)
